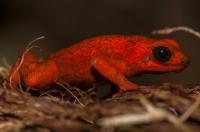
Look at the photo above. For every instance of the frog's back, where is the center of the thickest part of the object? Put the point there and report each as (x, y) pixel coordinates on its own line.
(100, 44)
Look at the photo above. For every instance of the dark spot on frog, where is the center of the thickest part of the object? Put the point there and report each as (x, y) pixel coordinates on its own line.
(131, 41)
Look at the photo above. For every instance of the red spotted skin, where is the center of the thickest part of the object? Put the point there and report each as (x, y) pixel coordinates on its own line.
(111, 57)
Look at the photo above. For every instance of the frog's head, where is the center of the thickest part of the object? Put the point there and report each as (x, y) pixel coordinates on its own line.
(164, 56)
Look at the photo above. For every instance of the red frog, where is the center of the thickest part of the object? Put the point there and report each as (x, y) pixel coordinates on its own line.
(112, 57)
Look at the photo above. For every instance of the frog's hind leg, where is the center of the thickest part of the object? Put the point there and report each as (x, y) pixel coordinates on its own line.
(34, 73)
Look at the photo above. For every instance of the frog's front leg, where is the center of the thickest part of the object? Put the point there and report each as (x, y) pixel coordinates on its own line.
(113, 74)
(34, 73)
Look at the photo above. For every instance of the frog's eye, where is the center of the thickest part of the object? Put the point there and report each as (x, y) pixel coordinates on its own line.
(161, 54)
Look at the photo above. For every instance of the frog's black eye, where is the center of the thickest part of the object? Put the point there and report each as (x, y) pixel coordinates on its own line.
(161, 54)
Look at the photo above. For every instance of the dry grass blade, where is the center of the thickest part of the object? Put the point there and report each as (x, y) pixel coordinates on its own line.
(170, 30)
(154, 114)
(188, 113)
(70, 93)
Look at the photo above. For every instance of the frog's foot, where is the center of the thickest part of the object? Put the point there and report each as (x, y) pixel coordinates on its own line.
(142, 90)
(145, 89)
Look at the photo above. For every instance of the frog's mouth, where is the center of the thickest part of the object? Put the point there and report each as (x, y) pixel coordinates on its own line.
(154, 67)
(157, 73)
(162, 71)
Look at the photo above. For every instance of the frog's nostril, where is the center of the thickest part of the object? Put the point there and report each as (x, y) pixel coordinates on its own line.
(185, 62)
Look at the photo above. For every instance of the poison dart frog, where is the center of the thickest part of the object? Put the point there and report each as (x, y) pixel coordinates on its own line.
(111, 57)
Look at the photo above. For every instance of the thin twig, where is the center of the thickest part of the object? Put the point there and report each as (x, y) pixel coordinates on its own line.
(74, 88)
(70, 93)
(189, 111)
(51, 96)
(170, 30)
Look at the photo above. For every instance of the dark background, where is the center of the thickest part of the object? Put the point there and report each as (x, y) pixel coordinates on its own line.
(66, 22)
